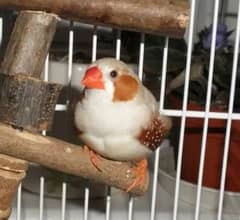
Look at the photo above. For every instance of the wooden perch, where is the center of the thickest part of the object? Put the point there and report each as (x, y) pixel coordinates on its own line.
(27, 102)
(12, 171)
(24, 101)
(29, 43)
(165, 17)
(66, 157)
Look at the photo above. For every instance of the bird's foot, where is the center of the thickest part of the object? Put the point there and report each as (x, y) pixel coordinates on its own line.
(94, 158)
(140, 172)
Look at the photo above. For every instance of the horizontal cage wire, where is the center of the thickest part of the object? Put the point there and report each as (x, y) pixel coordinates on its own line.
(165, 198)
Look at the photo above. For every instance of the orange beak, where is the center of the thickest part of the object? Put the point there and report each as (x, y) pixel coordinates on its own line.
(93, 78)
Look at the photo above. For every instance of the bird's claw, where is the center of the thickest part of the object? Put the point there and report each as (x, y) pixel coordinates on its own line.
(94, 158)
(140, 172)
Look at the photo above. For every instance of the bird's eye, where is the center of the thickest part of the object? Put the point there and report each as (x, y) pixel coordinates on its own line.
(113, 73)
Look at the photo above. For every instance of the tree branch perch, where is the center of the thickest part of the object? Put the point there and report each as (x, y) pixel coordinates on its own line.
(12, 171)
(66, 157)
(27, 102)
(29, 43)
(165, 17)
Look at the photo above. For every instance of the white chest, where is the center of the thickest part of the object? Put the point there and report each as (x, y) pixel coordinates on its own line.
(111, 128)
(102, 117)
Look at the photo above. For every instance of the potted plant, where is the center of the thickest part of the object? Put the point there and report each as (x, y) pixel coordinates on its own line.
(219, 103)
(177, 51)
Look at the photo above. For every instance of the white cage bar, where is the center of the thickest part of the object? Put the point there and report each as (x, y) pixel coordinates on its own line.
(19, 200)
(207, 109)
(185, 100)
(157, 153)
(41, 199)
(230, 111)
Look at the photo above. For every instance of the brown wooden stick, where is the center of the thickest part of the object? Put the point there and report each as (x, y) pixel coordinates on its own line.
(66, 157)
(165, 17)
(29, 43)
(25, 55)
(12, 171)
(27, 102)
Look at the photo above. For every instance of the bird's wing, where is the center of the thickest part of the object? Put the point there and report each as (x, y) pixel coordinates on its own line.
(76, 98)
(150, 100)
(152, 136)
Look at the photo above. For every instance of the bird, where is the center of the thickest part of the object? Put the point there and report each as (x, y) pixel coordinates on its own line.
(117, 116)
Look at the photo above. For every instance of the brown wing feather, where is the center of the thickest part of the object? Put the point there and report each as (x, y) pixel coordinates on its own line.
(153, 135)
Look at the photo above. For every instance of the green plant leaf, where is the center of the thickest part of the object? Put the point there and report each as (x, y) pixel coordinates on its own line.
(153, 60)
(222, 70)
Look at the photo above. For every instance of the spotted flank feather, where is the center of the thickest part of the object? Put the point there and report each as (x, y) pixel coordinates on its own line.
(152, 136)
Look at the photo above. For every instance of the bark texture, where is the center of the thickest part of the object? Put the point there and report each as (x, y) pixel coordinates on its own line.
(12, 171)
(62, 156)
(26, 102)
(29, 43)
(165, 17)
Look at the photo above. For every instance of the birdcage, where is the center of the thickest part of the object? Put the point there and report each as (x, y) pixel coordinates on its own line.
(142, 34)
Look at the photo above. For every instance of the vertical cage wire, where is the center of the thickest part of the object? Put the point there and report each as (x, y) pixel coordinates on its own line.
(70, 57)
(86, 203)
(19, 201)
(140, 74)
(94, 44)
(46, 69)
(223, 5)
(42, 179)
(1, 30)
(157, 153)
(154, 186)
(207, 109)
(64, 200)
(108, 203)
(230, 111)
(141, 57)
(69, 76)
(164, 75)
(185, 100)
(130, 207)
(41, 202)
(108, 197)
(94, 56)
(70, 51)
(118, 45)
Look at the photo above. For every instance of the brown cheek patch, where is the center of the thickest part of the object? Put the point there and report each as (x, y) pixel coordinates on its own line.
(125, 88)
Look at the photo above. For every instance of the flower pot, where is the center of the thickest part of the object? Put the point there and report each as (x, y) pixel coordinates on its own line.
(214, 149)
